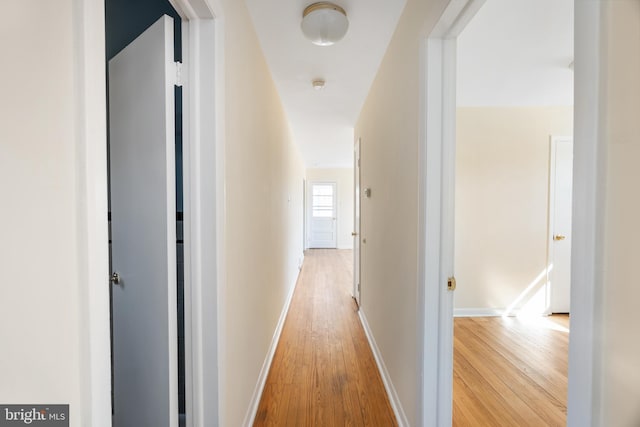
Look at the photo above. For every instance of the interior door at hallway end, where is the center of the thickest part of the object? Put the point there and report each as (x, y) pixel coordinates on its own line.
(143, 226)
(322, 217)
(560, 203)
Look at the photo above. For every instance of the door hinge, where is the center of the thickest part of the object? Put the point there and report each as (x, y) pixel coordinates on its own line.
(178, 74)
(358, 287)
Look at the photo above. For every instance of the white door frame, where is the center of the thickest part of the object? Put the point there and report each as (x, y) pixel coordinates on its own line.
(203, 55)
(589, 172)
(437, 211)
(436, 204)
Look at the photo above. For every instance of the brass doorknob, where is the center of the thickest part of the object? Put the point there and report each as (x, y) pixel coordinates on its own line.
(558, 237)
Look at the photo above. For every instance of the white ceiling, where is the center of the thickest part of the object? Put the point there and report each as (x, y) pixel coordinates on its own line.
(322, 122)
(517, 53)
(512, 53)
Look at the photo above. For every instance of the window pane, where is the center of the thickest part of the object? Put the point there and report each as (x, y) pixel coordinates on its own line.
(322, 201)
(323, 190)
(326, 201)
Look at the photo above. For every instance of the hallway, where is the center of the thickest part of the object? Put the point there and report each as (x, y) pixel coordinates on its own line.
(323, 372)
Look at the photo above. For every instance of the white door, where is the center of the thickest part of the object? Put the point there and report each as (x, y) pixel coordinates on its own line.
(561, 194)
(322, 218)
(143, 226)
(356, 222)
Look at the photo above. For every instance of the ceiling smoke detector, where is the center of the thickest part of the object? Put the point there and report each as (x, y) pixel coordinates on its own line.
(324, 23)
(318, 84)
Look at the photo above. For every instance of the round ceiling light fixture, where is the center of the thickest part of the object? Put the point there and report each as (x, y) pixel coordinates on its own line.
(324, 23)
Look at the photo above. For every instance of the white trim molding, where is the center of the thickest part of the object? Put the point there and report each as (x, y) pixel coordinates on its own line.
(436, 211)
(482, 312)
(396, 405)
(589, 181)
(250, 416)
(202, 55)
(91, 169)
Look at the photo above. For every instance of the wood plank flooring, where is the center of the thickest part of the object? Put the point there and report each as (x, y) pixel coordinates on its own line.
(323, 372)
(510, 372)
(507, 371)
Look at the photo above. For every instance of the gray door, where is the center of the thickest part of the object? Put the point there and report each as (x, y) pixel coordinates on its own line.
(141, 114)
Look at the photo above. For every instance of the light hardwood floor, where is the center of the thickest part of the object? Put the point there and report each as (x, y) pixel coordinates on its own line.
(507, 372)
(323, 372)
(510, 371)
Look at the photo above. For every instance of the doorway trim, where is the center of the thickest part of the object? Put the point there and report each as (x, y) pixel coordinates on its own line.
(204, 146)
(437, 134)
(436, 207)
(587, 259)
(92, 225)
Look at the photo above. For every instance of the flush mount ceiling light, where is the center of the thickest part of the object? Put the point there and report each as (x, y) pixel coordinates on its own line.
(324, 23)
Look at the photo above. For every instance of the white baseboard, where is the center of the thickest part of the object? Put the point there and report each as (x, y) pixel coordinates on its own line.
(479, 312)
(401, 417)
(249, 418)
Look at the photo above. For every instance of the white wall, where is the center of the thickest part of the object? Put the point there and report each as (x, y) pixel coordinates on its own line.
(389, 127)
(620, 350)
(44, 299)
(263, 228)
(502, 193)
(343, 178)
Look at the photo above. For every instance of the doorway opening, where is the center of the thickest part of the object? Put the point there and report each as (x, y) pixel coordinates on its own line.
(125, 22)
(440, 134)
(511, 97)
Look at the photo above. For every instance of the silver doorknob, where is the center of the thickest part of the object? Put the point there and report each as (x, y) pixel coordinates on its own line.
(115, 278)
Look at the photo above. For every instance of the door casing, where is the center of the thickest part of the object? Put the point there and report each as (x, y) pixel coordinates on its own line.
(437, 135)
(203, 45)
